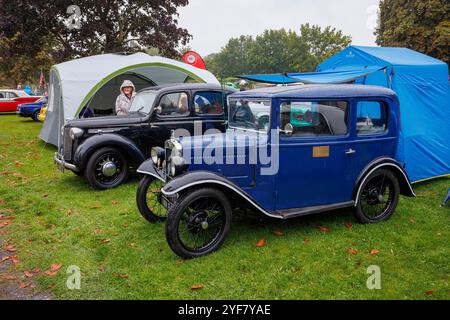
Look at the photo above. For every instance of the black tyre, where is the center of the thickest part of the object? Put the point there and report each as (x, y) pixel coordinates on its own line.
(378, 197)
(147, 199)
(198, 223)
(35, 116)
(107, 168)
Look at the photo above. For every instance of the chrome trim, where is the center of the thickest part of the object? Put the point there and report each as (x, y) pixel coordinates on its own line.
(59, 160)
(223, 184)
(374, 169)
(151, 174)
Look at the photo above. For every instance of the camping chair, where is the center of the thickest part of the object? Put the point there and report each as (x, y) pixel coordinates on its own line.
(447, 199)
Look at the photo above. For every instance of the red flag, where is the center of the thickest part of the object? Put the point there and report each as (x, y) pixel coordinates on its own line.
(194, 59)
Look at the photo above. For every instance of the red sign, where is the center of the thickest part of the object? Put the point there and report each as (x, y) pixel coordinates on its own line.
(194, 59)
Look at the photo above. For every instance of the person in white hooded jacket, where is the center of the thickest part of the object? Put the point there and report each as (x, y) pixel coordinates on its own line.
(124, 100)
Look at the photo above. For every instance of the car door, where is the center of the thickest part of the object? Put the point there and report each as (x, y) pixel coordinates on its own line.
(173, 111)
(3, 101)
(315, 161)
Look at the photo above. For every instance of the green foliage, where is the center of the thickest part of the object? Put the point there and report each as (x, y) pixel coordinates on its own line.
(59, 219)
(423, 26)
(28, 27)
(277, 51)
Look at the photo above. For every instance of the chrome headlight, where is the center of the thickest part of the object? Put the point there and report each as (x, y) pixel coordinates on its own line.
(158, 155)
(76, 133)
(176, 166)
(176, 149)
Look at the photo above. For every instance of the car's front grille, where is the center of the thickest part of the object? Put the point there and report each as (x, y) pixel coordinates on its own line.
(67, 145)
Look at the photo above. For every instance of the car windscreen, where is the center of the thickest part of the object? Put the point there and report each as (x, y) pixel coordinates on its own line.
(250, 114)
(143, 102)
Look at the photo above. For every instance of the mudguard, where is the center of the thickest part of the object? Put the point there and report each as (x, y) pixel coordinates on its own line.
(148, 168)
(406, 188)
(85, 150)
(205, 178)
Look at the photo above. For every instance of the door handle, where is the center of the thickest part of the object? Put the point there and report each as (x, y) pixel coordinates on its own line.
(350, 151)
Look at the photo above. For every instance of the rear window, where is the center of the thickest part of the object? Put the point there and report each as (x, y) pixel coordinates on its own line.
(372, 118)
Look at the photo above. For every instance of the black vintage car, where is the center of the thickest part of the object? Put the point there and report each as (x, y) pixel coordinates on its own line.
(106, 149)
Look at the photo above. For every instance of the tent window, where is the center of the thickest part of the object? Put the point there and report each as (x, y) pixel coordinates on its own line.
(174, 105)
(315, 118)
(372, 118)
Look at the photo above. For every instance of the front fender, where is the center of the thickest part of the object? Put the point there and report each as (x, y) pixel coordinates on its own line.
(210, 179)
(85, 150)
(148, 168)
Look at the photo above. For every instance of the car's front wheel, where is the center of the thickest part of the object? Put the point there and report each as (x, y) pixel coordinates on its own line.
(107, 168)
(198, 223)
(35, 116)
(147, 199)
(378, 197)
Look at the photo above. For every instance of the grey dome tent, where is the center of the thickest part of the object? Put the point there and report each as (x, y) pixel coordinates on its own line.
(94, 82)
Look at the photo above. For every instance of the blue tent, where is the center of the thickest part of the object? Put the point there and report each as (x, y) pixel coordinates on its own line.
(420, 81)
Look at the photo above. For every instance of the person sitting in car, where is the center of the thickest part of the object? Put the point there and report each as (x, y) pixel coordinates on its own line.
(124, 100)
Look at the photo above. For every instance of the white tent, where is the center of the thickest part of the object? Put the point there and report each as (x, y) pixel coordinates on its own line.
(94, 83)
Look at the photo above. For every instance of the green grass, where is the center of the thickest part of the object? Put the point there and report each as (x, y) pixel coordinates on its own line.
(413, 246)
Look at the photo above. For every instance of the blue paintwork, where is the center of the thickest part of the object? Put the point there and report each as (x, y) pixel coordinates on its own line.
(28, 109)
(302, 180)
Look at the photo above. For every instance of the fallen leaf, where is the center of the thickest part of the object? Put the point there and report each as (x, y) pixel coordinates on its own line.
(2, 201)
(411, 220)
(352, 251)
(96, 207)
(50, 273)
(374, 251)
(18, 164)
(101, 268)
(114, 202)
(429, 291)
(197, 287)
(132, 245)
(55, 267)
(14, 259)
(45, 196)
(36, 270)
(24, 285)
(349, 225)
(179, 261)
(8, 277)
(10, 248)
(306, 241)
(122, 276)
(324, 229)
(105, 241)
(261, 243)
(28, 274)
(279, 233)
(5, 258)
(5, 223)
(69, 212)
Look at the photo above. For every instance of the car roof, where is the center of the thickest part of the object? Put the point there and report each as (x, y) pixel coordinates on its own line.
(188, 86)
(20, 93)
(318, 91)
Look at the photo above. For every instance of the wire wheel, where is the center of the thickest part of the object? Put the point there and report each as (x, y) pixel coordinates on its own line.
(378, 198)
(148, 199)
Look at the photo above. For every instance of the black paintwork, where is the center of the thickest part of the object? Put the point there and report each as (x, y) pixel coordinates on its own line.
(137, 133)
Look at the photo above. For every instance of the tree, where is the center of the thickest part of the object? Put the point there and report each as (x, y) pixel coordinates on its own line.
(76, 28)
(277, 51)
(423, 26)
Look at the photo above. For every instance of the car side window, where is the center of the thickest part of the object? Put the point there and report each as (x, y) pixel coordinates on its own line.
(371, 117)
(2, 95)
(174, 105)
(315, 118)
(209, 103)
(11, 95)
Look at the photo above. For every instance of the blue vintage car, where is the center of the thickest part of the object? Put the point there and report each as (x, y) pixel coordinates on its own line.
(31, 110)
(288, 152)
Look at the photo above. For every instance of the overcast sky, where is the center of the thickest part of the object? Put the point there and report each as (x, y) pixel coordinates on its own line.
(213, 22)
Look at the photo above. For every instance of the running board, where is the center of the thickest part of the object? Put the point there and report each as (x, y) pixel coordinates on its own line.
(299, 212)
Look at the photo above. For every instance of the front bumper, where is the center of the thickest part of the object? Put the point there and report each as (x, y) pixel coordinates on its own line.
(61, 164)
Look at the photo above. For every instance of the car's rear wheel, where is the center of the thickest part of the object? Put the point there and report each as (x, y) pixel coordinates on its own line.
(198, 223)
(35, 116)
(107, 168)
(378, 197)
(147, 199)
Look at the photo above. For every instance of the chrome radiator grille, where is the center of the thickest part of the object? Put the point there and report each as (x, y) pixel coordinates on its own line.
(67, 145)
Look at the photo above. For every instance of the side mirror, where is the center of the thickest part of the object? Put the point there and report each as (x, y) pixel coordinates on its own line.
(288, 130)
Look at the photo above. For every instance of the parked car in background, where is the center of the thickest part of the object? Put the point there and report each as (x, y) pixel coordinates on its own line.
(32, 109)
(10, 99)
(106, 149)
(331, 146)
